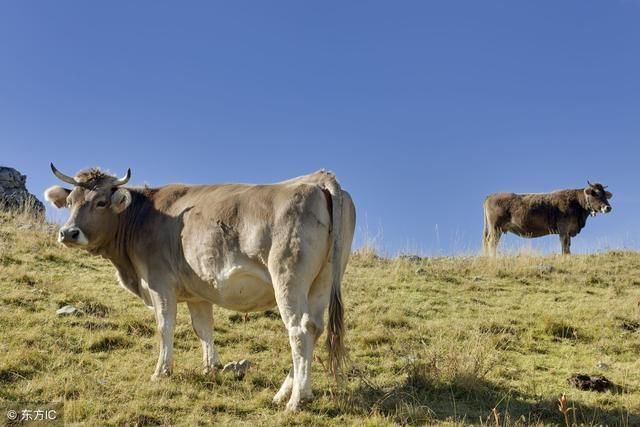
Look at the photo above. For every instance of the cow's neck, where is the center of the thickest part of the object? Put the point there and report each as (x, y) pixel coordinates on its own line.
(121, 248)
(582, 201)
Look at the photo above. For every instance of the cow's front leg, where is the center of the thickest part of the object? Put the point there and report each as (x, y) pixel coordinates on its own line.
(565, 241)
(165, 308)
(202, 322)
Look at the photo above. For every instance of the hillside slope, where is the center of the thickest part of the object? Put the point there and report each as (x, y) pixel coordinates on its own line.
(431, 341)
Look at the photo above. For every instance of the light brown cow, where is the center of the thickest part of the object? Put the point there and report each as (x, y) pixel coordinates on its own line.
(242, 247)
(562, 212)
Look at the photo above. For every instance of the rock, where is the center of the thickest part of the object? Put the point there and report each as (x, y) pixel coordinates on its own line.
(66, 310)
(14, 195)
(421, 271)
(546, 268)
(238, 369)
(410, 258)
(231, 366)
(590, 383)
(244, 364)
(602, 365)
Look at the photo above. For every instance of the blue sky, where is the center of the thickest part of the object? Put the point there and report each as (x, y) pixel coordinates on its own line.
(422, 108)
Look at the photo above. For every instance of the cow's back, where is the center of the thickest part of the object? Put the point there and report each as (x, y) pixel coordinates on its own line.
(229, 231)
(529, 214)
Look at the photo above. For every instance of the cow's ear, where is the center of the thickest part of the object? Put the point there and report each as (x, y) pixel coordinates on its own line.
(588, 191)
(120, 200)
(609, 194)
(57, 196)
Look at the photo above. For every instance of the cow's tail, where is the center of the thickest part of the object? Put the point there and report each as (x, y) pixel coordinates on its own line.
(485, 231)
(336, 331)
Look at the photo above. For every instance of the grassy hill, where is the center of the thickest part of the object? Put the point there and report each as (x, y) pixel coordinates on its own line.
(453, 341)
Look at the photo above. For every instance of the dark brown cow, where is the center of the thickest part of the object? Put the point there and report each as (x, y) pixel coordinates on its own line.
(562, 212)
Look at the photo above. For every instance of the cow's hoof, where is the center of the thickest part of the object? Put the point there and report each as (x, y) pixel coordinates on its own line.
(292, 406)
(280, 397)
(158, 376)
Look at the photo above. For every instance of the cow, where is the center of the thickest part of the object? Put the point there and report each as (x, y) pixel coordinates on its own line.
(242, 247)
(562, 212)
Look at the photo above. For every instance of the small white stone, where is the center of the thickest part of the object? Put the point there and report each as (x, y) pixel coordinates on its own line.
(67, 309)
(238, 369)
(229, 367)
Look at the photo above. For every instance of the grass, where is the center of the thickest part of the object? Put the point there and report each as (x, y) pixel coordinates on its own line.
(446, 341)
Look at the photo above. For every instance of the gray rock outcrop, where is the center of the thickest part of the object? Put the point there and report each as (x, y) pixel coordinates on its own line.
(14, 196)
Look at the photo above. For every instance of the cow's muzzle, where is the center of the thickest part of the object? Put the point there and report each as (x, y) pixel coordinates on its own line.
(72, 236)
(603, 210)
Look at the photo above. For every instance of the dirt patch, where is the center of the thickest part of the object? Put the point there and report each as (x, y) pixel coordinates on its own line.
(590, 383)
(630, 325)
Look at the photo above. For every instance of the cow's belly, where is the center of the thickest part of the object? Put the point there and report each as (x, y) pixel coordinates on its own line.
(531, 226)
(527, 233)
(244, 291)
(240, 286)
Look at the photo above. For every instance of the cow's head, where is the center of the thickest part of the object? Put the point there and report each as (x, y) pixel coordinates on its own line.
(597, 198)
(95, 201)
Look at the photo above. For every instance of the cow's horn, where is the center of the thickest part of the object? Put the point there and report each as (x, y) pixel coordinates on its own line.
(124, 179)
(590, 184)
(62, 177)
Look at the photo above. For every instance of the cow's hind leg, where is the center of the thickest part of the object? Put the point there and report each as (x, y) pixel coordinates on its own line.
(317, 305)
(202, 322)
(285, 389)
(292, 287)
(485, 241)
(491, 241)
(302, 331)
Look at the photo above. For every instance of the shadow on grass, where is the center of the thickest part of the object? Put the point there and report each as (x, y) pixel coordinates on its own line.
(468, 400)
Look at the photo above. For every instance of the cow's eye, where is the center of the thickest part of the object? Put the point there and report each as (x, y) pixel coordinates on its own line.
(101, 204)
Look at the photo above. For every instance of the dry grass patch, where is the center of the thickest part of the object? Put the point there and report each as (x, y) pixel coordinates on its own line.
(446, 341)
